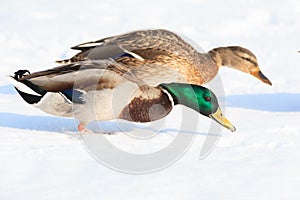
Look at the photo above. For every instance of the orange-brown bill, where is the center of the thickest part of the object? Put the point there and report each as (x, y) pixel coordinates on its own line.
(258, 74)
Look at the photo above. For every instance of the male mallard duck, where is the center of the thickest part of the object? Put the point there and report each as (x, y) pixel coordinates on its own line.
(101, 90)
(165, 48)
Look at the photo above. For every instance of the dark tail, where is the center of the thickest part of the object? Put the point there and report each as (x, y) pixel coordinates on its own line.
(30, 92)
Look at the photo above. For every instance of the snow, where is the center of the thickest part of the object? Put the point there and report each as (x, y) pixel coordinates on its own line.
(42, 156)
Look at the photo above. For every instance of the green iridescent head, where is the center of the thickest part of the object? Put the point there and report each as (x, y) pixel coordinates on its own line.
(196, 97)
(199, 99)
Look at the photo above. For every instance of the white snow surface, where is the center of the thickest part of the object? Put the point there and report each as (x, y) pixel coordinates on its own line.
(41, 156)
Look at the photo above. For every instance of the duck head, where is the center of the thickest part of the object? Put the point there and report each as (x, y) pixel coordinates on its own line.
(238, 58)
(199, 99)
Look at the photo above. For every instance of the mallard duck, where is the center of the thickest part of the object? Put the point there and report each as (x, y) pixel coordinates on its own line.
(101, 90)
(165, 48)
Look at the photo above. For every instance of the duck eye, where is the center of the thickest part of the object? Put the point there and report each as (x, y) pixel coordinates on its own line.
(249, 60)
(207, 98)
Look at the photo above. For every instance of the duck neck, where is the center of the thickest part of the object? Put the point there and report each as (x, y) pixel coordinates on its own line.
(217, 55)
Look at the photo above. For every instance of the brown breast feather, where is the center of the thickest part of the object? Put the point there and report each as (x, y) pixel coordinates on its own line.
(146, 110)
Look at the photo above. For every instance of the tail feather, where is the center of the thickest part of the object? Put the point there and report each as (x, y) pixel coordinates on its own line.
(28, 91)
(29, 98)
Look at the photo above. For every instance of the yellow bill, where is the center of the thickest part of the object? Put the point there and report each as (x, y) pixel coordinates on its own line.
(220, 118)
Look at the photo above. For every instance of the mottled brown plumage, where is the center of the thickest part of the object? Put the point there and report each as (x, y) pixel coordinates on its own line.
(168, 50)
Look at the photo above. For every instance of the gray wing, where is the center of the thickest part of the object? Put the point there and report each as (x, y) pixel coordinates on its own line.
(85, 76)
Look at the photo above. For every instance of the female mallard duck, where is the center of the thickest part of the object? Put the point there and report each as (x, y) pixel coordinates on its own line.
(102, 90)
(165, 48)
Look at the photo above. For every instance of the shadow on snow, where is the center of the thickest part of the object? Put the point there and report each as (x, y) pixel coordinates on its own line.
(58, 124)
(278, 102)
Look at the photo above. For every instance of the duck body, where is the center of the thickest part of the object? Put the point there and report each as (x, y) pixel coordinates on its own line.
(167, 50)
(102, 90)
(160, 48)
(82, 88)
